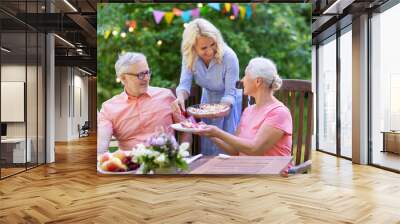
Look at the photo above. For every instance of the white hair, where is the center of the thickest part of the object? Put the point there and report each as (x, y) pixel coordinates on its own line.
(200, 28)
(126, 60)
(266, 69)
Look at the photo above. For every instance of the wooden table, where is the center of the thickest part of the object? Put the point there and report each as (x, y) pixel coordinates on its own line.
(234, 165)
(240, 165)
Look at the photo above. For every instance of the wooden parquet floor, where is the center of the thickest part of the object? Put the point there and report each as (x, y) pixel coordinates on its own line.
(69, 191)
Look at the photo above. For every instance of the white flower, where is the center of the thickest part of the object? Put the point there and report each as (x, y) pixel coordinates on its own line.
(160, 159)
(160, 141)
(184, 146)
(183, 149)
(140, 146)
(183, 153)
(140, 170)
(154, 154)
(138, 153)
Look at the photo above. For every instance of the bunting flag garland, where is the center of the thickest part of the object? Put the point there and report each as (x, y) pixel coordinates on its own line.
(195, 12)
(186, 15)
(177, 11)
(248, 12)
(215, 6)
(203, 11)
(132, 24)
(235, 9)
(107, 34)
(168, 17)
(227, 7)
(242, 12)
(158, 15)
(232, 10)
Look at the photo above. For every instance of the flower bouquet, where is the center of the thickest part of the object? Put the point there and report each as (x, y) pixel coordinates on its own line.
(161, 155)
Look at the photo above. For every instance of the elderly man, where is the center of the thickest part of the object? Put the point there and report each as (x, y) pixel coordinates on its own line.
(134, 115)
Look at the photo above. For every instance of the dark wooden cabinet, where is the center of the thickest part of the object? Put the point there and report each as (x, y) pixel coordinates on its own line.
(391, 141)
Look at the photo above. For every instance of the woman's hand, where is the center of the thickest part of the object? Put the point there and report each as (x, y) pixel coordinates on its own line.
(178, 105)
(208, 131)
(226, 104)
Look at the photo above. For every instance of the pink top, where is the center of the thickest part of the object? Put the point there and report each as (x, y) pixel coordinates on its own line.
(275, 115)
(133, 120)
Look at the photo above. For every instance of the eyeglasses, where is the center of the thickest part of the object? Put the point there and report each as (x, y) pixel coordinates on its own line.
(141, 75)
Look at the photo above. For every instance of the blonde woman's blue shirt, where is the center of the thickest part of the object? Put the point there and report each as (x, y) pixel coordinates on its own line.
(218, 82)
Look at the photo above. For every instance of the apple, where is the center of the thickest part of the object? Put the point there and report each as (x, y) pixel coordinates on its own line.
(104, 157)
(119, 154)
(103, 166)
(113, 165)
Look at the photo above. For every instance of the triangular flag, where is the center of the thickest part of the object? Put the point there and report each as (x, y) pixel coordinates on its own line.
(227, 7)
(132, 24)
(235, 9)
(203, 10)
(242, 12)
(248, 10)
(177, 11)
(186, 15)
(107, 34)
(158, 15)
(169, 16)
(215, 6)
(195, 12)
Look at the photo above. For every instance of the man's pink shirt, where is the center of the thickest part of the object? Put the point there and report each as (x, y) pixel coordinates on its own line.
(133, 120)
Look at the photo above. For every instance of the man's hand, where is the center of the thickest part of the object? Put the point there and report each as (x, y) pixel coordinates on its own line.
(178, 105)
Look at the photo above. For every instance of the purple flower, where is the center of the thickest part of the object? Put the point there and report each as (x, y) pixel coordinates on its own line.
(159, 141)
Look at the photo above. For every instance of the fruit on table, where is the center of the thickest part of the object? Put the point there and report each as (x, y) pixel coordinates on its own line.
(105, 157)
(113, 165)
(120, 154)
(119, 161)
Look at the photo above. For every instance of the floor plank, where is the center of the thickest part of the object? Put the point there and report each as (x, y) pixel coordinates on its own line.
(70, 191)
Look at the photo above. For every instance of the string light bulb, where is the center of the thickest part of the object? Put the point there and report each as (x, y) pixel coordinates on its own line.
(123, 34)
(115, 33)
(118, 80)
(159, 42)
(131, 29)
(200, 5)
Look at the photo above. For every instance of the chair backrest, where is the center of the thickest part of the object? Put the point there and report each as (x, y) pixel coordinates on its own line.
(86, 125)
(194, 98)
(297, 95)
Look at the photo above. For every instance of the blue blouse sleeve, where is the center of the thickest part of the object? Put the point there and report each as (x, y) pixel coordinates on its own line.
(185, 83)
(231, 77)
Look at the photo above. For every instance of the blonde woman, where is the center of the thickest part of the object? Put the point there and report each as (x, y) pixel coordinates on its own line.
(214, 66)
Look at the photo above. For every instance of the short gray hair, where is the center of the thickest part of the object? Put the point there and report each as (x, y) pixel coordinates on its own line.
(127, 59)
(265, 68)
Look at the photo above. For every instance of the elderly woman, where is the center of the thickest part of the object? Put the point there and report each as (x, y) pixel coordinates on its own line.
(131, 115)
(265, 128)
(214, 66)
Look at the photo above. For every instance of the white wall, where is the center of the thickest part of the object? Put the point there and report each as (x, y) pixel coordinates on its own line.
(71, 94)
(34, 125)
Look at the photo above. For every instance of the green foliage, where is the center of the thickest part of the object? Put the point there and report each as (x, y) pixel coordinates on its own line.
(277, 31)
(112, 149)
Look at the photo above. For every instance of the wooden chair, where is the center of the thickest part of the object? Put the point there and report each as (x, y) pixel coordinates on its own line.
(194, 98)
(297, 95)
